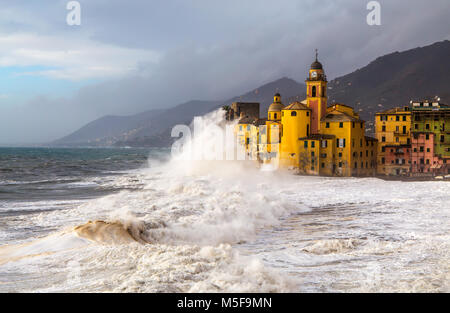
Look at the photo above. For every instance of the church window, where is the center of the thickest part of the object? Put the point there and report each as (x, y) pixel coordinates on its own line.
(293, 113)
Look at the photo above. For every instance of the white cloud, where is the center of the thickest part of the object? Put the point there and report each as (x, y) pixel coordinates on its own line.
(71, 58)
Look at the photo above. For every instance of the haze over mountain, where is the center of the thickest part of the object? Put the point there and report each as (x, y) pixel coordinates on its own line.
(389, 81)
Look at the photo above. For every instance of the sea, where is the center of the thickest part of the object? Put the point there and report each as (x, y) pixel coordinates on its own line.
(139, 220)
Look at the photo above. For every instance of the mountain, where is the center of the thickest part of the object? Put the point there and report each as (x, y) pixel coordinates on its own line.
(395, 79)
(389, 81)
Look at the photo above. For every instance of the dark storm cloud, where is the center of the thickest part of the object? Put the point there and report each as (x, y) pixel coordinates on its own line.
(215, 50)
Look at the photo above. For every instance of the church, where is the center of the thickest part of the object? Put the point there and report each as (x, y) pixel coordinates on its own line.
(307, 137)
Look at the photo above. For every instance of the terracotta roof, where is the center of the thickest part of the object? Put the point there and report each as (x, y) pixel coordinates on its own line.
(337, 116)
(296, 105)
(247, 120)
(317, 137)
(393, 111)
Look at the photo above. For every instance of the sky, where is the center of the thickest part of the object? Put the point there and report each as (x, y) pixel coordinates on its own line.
(129, 56)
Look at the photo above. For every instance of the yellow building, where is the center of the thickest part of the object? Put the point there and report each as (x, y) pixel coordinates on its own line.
(354, 155)
(295, 121)
(310, 138)
(392, 128)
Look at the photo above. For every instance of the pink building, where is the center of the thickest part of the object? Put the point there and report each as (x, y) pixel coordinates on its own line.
(397, 159)
(423, 158)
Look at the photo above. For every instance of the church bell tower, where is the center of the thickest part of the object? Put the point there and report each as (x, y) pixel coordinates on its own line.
(316, 94)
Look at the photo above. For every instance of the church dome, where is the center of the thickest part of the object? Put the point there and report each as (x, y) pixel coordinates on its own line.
(316, 65)
(276, 107)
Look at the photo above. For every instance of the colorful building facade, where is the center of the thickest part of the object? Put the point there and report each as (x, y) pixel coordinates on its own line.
(309, 137)
(430, 138)
(393, 130)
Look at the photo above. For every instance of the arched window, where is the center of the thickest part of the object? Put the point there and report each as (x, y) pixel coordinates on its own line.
(313, 93)
(293, 113)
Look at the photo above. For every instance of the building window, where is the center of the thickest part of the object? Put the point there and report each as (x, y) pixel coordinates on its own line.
(396, 139)
(240, 127)
(324, 143)
(442, 138)
(313, 144)
(360, 142)
(415, 149)
(404, 118)
(383, 139)
(427, 136)
(428, 149)
(397, 118)
(307, 129)
(361, 124)
(307, 113)
(427, 126)
(416, 126)
(312, 154)
(248, 127)
(383, 128)
(275, 116)
(341, 124)
(383, 149)
(382, 160)
(306, 144)
(421, 148)
(360, 154)
(428, 161)
(367, 153)
(313, 91)
(356, 165)
(293, 113)
(340, 154)
(327, 125)
(340, 164)
(340, 143)
(323, 165)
